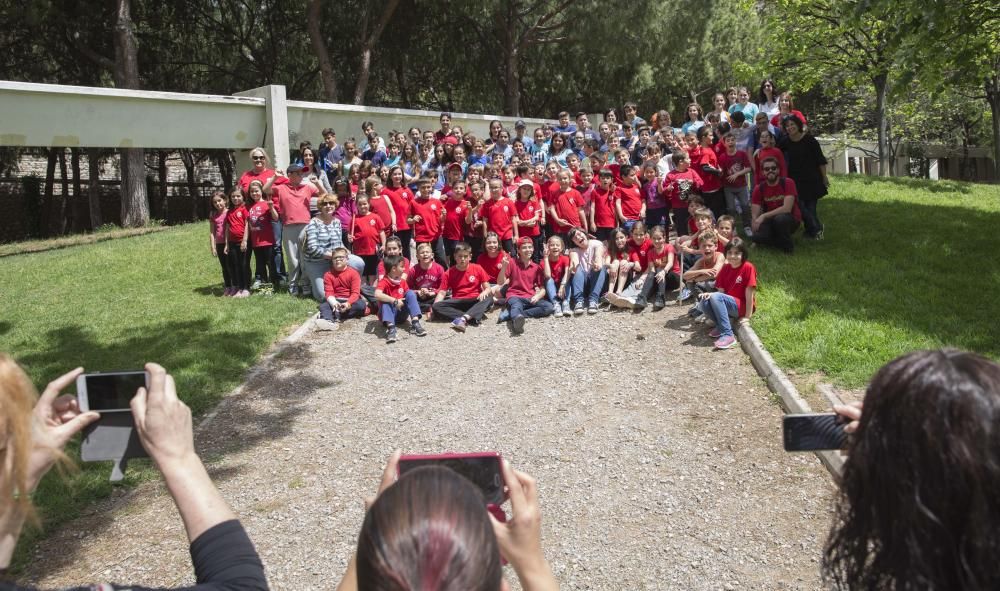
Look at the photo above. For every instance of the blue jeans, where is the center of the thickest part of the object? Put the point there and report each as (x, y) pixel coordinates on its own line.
(589, 283)
(810, 216)
(719, 308)
(390, 315)
(524, 307)
(276, 250)
(552, 292)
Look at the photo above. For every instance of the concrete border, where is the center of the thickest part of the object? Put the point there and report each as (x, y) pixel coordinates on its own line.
(261, 366)
(779, 383)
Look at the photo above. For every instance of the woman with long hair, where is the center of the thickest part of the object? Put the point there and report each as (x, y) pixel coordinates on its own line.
(694, 118)
(767, 97)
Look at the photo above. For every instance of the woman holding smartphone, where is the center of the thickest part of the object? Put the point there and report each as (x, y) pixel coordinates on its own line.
(34, 431)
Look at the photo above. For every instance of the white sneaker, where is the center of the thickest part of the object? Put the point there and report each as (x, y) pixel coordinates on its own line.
(748, 231)
(566, 312)
(579, 309)
(325, 325)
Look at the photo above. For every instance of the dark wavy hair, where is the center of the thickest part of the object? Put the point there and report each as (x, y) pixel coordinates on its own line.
(919, 506)
(430, 531)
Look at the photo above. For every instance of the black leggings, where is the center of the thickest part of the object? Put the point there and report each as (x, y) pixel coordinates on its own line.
(265, 269)
(220, 251)
(404, 237)
(239, 267)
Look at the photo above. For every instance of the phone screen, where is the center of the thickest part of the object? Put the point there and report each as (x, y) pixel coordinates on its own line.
(482, 471)
(813, 432)
(108, 392)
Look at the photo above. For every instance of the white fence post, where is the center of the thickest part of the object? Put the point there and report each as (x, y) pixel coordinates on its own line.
(275, 139)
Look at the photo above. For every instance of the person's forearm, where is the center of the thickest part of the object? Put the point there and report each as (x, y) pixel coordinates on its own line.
(10, 530)
(537, 576)
(198, 501)
(350, 580)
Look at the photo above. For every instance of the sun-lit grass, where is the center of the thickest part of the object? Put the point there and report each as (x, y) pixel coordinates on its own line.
(905, 264)
(119, 303)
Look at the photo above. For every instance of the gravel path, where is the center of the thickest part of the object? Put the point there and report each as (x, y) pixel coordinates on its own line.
(659, 460)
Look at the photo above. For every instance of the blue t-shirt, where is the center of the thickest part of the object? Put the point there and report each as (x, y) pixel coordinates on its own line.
(749, 111)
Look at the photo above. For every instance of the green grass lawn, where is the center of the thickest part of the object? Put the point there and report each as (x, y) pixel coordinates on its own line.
(906, 264)
(120, 303)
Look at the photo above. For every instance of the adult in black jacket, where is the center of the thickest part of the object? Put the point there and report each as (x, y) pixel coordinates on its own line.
(807, 167)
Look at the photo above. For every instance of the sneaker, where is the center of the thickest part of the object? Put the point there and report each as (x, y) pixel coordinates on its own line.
(685, 294)
(819, 235)
(578, 309)
(503, 317)
(566, 312)
(748, 231)
(244, 294)
(727, 342)
(293, 290)
(659, 304)
(714, 333)
(390, 335)
(615, 300)
(417, 328)
(702, 319)
(459, 324)
(228, 292)
(695, 312)
(592, 309)
(325, 325)
(517, 324)
(256, 285)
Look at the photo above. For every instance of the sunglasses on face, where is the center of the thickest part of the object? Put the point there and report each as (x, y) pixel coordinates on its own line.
(258, 157)
(770, 169)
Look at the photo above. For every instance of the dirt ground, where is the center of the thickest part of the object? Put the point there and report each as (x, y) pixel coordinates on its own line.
(659, 460)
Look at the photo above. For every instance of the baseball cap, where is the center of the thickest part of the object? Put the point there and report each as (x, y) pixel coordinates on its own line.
(525, 183)
(520, 123)
(295, 168)
(455, 165)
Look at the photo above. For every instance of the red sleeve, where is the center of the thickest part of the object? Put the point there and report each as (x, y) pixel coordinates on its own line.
(328, 284)
(751, 275)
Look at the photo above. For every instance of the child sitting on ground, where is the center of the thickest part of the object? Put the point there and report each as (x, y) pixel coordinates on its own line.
(393, 247)
(525, 291)
(342, 287)
(427, 278)
(471, 292)
(620, 266)
(733, 297)
(701, 276)
(556, 268)
(397, 300)
(659, 270)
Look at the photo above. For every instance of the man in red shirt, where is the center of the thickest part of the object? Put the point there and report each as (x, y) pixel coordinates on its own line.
(774, 208)
(525, 288)
(342, 287)
(471, 292)
(291, 202)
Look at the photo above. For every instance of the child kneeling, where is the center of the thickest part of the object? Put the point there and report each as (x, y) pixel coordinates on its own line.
(342, 290)
(736, 287)
(394, 295)
(525, 290)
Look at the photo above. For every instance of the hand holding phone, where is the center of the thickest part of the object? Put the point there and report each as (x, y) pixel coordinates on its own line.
(109, 392)
(814, 432)
(482, 469)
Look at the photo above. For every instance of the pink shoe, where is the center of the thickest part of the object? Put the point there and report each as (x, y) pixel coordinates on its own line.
(228, 292)
(243, 294)
(714, 333)
(725, 342)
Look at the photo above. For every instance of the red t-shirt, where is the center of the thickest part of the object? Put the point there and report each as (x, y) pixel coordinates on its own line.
(249, 176)
(732, 164)
(678, 186)
(292, 203)
(640, 250)
(454, 218)
(763, 153)
(433, 277)
(400, 199)
(382, 207)
(734, 282)
(492, 264)
(236, 222)
(776, 120)
(772, 197)
(343, 285)
(631, 200)
(440, 138)
(467, 284)
(380, 270)
(709, 181)
(568, 206)
(659, 259)
(527, 210)
(499, 215)
(604, 213)
(261, 231)
(550, 190)
(393, 289)
(366, 232)
(558, 267)
(524, 280)
(428, 229)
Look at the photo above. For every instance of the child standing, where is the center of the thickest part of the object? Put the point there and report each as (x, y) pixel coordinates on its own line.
(217, 236)
(397, 300)
(426, 217)
(681, 183)
(629, 204)
(556, 268)
(657, 213)
(566, 210)
(735, 166)
(529, 216)
(499, 213)
(602, 207)
(456, 212)
(367, 237)
(734, 295)
(259, 217)
(236, 245)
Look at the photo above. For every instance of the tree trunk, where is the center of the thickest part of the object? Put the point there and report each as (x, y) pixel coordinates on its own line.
(224, 159)
(161, 189)
(992, 88)
(881, 82)
(368, 43)
(60, 221)
(94, 187)
(76, 212)
(313, 18)
(135, 201)
(505, 29)
(188, 159)
(50, 175)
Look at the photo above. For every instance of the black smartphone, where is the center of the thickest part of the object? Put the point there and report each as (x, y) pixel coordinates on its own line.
(482, 469)
(814, 432)
(109, 392)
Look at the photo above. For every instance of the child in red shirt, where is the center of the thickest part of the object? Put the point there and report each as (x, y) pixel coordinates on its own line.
(427, 278)
(525, 290)
(470, 290)
(400, 197)
(259, 217)
(426, 218)
(704, 162)
(236, 244)
(735, 165)
(456, 214)
(499, 214)
(367, 237)
(566, 211)
(630, 207)
(620, 266)
(379, 204)
(701, 276)
(678, 186)
(529, 216)
(556, 267)
(734, 295)
(398, 301)
(493, 258)
(602, 207)
(393, 247)
(342, 288)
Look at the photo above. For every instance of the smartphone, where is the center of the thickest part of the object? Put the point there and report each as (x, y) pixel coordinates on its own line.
(814, 432)
(109, 392)
(482, 469)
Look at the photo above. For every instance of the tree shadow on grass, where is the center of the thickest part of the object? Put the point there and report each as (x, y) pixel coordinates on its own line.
(265, 411)
(5, 327)
(929, 270)
(939, 186)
